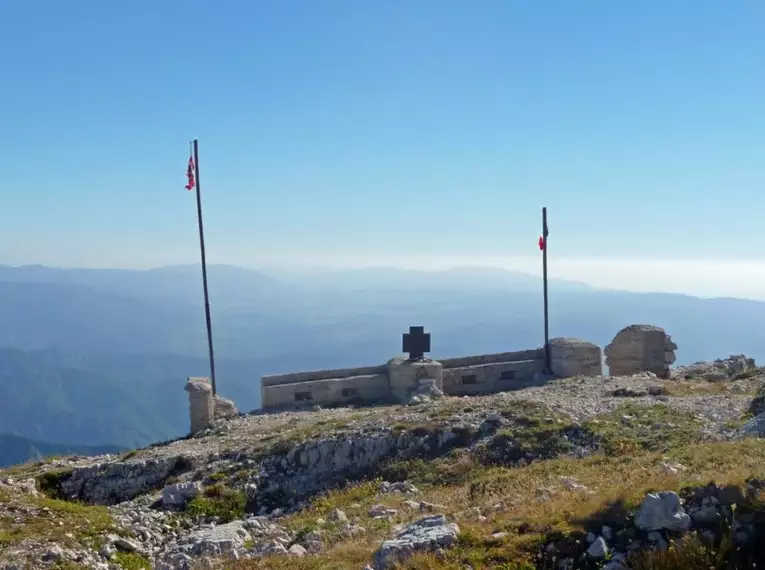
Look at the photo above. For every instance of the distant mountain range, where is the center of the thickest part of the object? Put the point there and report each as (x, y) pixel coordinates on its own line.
(15, 449)
(100, 357)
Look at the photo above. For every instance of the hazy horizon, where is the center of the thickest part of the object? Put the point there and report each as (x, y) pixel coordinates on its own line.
(700, 278)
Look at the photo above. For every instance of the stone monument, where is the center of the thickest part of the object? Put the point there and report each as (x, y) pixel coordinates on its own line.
(204, 408)
(416, 378)
(640, 348)
(201, 403)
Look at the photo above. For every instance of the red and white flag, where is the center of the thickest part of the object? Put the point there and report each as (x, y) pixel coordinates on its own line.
(190, 174)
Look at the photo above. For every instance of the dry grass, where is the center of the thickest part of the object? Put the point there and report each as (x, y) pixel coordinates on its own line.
(527, 503)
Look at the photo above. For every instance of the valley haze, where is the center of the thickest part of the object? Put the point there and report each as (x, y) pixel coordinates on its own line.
(99, 357)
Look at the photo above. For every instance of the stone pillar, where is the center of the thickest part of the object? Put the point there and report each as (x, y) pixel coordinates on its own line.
(201, 403)
(575, 357)
(640, 348)
(410, 378)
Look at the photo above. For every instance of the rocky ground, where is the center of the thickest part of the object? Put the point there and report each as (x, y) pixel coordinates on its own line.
(632, 472)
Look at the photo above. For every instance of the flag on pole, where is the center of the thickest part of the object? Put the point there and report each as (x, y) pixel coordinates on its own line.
(543, 237)
(190, 174)
(543, 247)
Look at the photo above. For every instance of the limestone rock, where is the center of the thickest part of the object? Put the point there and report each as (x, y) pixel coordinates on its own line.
(404, 487)
(337, 516)
(640, 348)
(221, 540)
(628, 393)
(662, 511)
(426, 390)
(55, 552)
(757, 405)
(297, 550)
(719, 370)
(125, 544)
(313, 541)
(572, 484)
(224, 408)
(617, 562)
(755, 426)
(276, 548)
(430, 534)
(381, 511)
(598, 549)
(110, 483)
(178, 494)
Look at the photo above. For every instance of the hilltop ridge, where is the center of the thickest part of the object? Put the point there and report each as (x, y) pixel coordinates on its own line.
(517, 479)
(79, 339)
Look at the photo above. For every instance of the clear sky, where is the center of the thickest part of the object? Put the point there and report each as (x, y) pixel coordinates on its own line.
(406, 132)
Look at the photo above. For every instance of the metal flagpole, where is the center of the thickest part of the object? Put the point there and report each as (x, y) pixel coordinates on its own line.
(548, 368)
(204, 268)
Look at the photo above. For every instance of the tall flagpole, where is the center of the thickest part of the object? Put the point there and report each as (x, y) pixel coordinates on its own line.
(204, 268)
(543, 244)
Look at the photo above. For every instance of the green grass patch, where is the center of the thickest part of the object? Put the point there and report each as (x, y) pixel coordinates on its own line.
(68, 565)
(455, 468)
(84, 523)
(632, 428)
(49, 482)
(131, 561)
(218, 501)
(129, 455)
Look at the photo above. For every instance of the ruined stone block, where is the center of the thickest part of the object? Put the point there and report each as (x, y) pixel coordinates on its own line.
(640, 348)
(575, 357)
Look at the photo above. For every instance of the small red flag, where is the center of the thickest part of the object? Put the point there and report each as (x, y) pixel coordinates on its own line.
(541, 243)
(190, 174)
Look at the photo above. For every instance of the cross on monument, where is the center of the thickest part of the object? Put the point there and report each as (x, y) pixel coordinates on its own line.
(416, 342)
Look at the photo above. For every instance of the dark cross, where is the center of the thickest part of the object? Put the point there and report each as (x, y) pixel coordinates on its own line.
(416, 342)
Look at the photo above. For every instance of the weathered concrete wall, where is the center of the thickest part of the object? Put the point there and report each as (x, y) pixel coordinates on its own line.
(575, 357)
(490, 378)
(399, 379)
(640, 348)
(279, 390)
(297, 377)
(499, 357)
(367, 388)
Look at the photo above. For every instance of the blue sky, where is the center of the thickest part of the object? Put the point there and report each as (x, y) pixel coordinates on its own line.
(402, 131)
